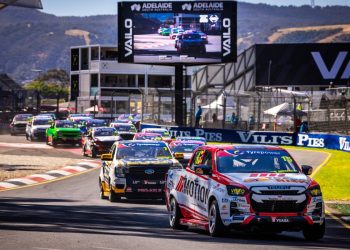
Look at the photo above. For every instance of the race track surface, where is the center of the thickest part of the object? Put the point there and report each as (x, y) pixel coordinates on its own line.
(69, 214)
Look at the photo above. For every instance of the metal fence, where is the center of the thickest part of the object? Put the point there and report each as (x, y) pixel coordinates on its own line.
(324, 111)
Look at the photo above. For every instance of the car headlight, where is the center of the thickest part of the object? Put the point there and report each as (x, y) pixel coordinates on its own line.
(315, 191)
(119, 172)
(237, 191)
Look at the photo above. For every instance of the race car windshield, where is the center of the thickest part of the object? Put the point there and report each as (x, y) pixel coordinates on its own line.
(184, 148)
(255, 161)
(191, 36)
(42, 122)
(22, 118)
(149, 137)
(65, 125)
(124, 127)
(143, 150)
(105, 132)
(96, 124)
(161, 132)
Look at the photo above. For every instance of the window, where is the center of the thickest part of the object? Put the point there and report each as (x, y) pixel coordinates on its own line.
(94, 53)
(141, 81)
(84, 59)
(197, 158)
(94, 80)
(159, 81)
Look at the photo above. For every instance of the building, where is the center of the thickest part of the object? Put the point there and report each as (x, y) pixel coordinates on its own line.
(118, 88)
(12, 95)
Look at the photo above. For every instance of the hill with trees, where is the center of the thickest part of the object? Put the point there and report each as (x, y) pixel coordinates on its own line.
(30, 39)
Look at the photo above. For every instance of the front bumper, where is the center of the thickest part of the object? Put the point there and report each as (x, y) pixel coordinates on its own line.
(65, 140)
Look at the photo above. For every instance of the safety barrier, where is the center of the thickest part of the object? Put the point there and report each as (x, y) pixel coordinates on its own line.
(311, 140)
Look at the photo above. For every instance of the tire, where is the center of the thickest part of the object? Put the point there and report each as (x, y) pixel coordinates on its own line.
(101, 190)
(216, 227)
(47, 140)
(174, 214)
(112, 197)
(31, 138)
(84, 151)
(27, 137)
(314, 232)
(53, 142)
(93, 153)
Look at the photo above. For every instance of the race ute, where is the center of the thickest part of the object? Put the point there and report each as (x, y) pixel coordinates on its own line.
(191, 138)
(162, 131)
(186, 148)
(125, 130)
(92, 123)
(136, 169)
(63, 132)
(36, 127)
(19, 123)
(245, 187)
(148, 136)
(99, 141)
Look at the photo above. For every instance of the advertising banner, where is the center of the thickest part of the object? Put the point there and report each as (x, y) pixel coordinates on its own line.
(189, 32)
(311, 140)
(302, 64)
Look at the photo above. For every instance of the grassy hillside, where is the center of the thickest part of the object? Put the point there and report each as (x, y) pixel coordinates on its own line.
(33, 39)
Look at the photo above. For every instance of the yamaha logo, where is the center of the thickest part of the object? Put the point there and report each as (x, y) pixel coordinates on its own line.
(149, 171)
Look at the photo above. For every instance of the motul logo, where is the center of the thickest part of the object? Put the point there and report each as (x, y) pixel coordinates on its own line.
(333, 72)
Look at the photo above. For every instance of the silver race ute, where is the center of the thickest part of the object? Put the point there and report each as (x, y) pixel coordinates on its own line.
(245, 187)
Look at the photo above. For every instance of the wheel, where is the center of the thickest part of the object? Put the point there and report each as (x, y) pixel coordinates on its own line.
(175, 215)
(314, 232)
(47, 140)
(93, 153)
(27, 137)
(101, 190)
(31, 138)
(112, 197)
(216, 228)
(53, 141)
(84, 151)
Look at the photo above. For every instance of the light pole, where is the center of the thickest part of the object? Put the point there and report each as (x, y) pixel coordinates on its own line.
(112, 104)
(269, 74)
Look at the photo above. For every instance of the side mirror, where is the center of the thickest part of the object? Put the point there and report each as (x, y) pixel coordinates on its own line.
(202, 170)
(107, 157)
(307, 170)
(179, 156)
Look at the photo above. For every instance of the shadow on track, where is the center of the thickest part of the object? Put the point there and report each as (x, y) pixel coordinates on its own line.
(70, 216)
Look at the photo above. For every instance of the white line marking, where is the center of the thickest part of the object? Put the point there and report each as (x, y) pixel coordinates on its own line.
(7, 185)
(44, 176)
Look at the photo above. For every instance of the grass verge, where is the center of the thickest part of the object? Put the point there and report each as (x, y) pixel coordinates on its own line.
(343, 209)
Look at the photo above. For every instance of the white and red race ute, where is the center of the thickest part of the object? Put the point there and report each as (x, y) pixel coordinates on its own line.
(245, 187)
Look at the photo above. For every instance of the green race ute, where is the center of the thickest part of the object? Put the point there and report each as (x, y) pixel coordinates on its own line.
(63, 132)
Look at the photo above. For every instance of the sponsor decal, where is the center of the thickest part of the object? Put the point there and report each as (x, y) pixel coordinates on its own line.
(215, 137)
(208, 6)
(308, 141)
(280, 220)
(251, 137)
(152, 7)
(224, 200)
(226, 35)
(333, 72)
(279, 187)
(238, 199)
(149, 190)
(187, 6)
(344, 144)
(128, 44)
(193, 189)
(267, 175)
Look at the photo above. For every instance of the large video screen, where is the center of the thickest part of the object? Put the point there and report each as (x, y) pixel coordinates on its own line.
(191, 32)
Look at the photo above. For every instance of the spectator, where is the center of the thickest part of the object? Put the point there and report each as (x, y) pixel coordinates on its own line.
(234, 120)
(198, 116)
(304, 127)
(251, 122)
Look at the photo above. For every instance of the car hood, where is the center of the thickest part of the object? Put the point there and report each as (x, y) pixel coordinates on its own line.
(267, 179)
(19, 122)
(147, 161)
(77, 130)
(107, 138)
(40, 126)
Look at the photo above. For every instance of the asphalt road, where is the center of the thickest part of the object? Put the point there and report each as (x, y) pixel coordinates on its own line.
(68, 214)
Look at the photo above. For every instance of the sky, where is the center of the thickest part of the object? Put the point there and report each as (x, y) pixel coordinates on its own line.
(106, 7)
